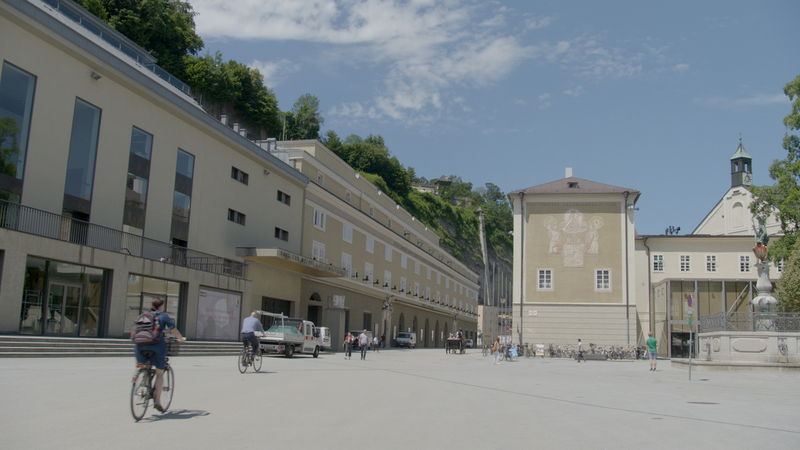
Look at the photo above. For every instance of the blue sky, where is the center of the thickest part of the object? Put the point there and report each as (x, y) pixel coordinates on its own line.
(643, 95)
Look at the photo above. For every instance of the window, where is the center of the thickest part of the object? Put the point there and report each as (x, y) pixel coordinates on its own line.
(711, 263)
(389, 253)
(284, 198)
(370, 244)
(403, 261)
(744, 263)
(390, 223)
(429, 273)
(446, 300)
(447, 283)
(239, 176)
(82, 158)
(281, 234)
(16, 105)
(347, 264)
(138, 177)
(387, 280)
(318, 251)
(371, 211)
(416, 290)
(685, 263)
(347, 196)
(347, 234)
(603, 280)
(658, 263)
(319, 219)
(403, 285)
(368, 273)
(182, 196)
(236, 216)
(545, 279)
(438, 278)
(438, 297)
(320, 178)
(428, 294)
(416, 267)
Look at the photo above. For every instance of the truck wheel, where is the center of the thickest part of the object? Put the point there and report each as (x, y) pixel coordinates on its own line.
(316, 352)
(289, 351)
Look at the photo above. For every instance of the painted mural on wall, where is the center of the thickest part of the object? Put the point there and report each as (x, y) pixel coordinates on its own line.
(573, 237)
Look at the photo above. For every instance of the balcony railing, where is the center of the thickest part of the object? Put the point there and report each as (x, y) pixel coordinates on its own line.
(42, 223)
(747, 321)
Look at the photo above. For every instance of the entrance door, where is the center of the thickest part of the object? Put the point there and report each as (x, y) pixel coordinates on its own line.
(63, 310)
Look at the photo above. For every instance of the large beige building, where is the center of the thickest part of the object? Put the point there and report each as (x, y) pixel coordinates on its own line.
(581, 270)
(117, 187)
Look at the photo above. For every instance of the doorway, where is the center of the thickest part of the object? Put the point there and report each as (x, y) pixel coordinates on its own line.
(63, 309)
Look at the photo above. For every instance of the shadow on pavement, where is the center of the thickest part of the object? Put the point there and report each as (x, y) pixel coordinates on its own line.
(177, 414)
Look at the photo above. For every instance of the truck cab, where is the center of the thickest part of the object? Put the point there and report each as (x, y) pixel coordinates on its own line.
(289, 336)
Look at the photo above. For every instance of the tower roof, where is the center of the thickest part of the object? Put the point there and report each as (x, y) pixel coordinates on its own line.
(740, 152)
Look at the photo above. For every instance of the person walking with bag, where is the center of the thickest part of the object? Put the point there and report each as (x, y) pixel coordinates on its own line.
(347, 346)
(496, 350)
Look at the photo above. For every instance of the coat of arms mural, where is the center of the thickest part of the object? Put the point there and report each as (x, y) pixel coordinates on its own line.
(573, 237)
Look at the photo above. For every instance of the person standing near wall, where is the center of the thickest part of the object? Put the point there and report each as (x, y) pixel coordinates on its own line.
(652, 344)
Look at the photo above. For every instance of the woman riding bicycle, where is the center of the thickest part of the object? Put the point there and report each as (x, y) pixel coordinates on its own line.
(159, 349)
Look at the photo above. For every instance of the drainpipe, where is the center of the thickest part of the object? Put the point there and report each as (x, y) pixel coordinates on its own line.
(650, 301)
(627, 281)
(521, 259)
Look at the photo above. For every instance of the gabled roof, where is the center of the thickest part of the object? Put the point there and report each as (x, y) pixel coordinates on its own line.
(574, 185)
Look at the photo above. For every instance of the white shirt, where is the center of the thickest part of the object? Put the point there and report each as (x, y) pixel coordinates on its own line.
(363, 339)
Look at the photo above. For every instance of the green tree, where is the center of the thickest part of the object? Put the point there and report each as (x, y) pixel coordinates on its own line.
(783, 197)
(304, 118)
(789, 284)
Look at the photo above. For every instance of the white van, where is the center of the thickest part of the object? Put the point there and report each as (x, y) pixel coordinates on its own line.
(406, 339)
(324, 335)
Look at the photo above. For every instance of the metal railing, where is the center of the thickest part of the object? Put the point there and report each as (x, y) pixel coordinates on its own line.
(751, 321)
(42, 223)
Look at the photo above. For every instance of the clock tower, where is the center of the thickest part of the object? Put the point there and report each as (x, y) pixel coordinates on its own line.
(741, 167)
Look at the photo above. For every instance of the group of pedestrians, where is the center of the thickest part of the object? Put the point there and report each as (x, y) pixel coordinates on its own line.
(363, 344)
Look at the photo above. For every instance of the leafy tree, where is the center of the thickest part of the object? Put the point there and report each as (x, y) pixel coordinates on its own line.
(304, 120)
(783, 198)
(789, 284)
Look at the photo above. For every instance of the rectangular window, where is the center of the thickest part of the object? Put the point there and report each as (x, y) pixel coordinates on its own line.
(389, 253)
(447, 283)
(416, 267)
(711, 263)
(744, 263)
(371, 211)
(368, 273)
(403, 286)
(416, 290)
(236, 216)
(17, 89)
(318, 251)
(603, 280)
(137, 182)
(545, 279)
(686, 263)
(387, 280)
(428, 294)
(390, 223)
(82, 158)
(438, 278)
(347, 264)
(347, 196)
(370, 244)
(320, 179)
(182, 198)
(284, 198)
(438, 297)
(347, 234)
(403, 261)
(429, 273)
(281, 234)
(658, 263)
(319, 219)
(239, 176)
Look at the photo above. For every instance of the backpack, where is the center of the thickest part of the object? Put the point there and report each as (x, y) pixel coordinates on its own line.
(146, 329)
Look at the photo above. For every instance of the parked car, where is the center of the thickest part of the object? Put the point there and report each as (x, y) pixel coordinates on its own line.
(324, 335)
(406, 339)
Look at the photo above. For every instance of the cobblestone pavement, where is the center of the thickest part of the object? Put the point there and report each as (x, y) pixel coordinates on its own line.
(399, 399)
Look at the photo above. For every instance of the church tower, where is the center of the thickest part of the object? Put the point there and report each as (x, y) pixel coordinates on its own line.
(741, 167)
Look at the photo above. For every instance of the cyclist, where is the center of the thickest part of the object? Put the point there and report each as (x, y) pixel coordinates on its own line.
(249, 327)
(159, 359)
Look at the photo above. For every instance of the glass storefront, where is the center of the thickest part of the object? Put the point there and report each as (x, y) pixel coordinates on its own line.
(62, 299)
(141, 292)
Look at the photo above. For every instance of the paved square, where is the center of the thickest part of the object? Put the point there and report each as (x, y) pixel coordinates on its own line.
(399, 399)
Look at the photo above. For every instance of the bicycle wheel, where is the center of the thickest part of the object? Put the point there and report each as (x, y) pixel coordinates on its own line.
(169, 387)
(502, 356)
(485, 351)
(140, 394)
(243, 360)
(257, 361)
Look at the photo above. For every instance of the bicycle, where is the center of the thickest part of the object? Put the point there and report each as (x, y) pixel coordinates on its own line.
(486, 350)
(143, 389)
(246, 358)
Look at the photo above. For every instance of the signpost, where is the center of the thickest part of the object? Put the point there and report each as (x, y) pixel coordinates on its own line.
(689, 319)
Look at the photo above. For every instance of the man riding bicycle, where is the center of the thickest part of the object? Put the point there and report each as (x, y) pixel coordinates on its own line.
(159, 358)
(249, 327)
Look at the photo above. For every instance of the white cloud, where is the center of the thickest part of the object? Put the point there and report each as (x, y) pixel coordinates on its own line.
(680, 68)
(575, 92)
(354, 111)
(533, 23)
(274, 71)
(544, 101)
(739, 104)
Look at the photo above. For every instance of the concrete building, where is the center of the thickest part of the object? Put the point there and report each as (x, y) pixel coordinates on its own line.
(117, 187)
(582, 271)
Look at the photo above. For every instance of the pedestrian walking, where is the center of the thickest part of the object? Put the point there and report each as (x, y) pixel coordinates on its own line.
(652, 347)
(496, 350)
(363, 342)
(580, 351)
(375, 344)
(347, 345)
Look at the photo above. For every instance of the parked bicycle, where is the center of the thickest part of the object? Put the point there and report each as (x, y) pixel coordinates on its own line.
(143, 389)
(247, 359)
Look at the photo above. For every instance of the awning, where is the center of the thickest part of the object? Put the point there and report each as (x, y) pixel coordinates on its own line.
(291, 261)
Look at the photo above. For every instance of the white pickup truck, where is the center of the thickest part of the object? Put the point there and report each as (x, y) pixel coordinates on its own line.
(289, 336)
